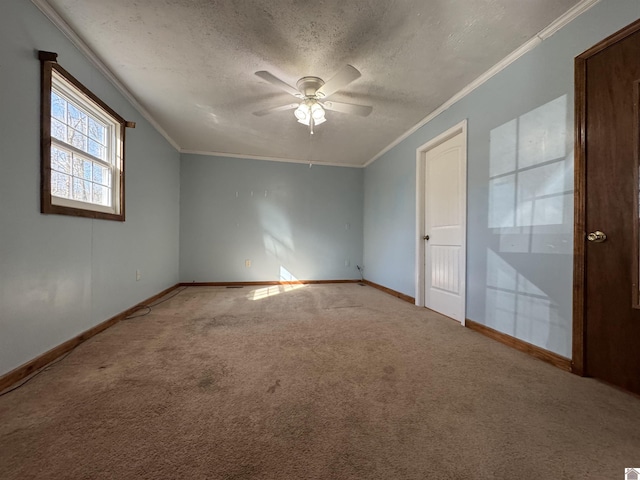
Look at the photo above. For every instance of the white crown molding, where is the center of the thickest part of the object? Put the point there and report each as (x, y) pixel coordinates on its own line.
(268, 159)
(567, 18)
(547, 32)
(65, 28)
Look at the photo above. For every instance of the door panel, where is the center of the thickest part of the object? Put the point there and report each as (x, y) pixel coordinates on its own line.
(612, 324)
(444, 217)
(445, 274)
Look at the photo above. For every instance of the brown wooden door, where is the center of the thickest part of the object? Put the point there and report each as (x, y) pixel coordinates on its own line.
(610, 113)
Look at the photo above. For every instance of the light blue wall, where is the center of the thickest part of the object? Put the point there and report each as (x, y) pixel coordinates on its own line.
(389, 220)
(519, 239)
(291, 221)
(61, 275)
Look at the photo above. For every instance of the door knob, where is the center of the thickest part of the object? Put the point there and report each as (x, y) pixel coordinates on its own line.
(597, 236)
(426, 237)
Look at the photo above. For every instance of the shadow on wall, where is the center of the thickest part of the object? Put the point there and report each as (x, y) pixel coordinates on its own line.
(531, 219)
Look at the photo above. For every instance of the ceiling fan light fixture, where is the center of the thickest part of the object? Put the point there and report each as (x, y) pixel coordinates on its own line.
(312, 91)
(303, 113)
(317, 112)
(309, 110)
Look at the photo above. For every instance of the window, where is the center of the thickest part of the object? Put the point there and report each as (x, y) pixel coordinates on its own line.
(82, 148)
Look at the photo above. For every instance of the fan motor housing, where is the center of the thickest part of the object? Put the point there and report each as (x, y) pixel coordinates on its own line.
(308, 86)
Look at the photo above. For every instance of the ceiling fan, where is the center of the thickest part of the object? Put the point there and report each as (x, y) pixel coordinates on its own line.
(312, 91)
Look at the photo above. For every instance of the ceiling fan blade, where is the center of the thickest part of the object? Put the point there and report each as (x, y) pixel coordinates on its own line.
(273, 80)
(341, 79)
(362, 110)
(281, 108)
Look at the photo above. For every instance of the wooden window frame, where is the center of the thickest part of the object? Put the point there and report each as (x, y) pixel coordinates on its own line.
(49, 64)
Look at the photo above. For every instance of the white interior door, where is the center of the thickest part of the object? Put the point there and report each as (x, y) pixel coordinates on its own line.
(445, 217)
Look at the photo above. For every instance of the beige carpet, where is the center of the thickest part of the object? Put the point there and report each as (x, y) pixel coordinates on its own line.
(320, 382)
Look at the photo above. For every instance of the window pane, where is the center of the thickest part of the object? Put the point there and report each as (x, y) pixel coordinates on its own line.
(77, 139)
(58, 107)
(101, 195)
(96, 149)
(60, 185)
(60, 160)
(58, 130)
(101, 175)
(97, 131)
(77, 119)
(81, 190)
(86, 169)
(77, 166)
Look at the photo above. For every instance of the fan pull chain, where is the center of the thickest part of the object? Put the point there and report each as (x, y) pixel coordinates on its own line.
(310, 143)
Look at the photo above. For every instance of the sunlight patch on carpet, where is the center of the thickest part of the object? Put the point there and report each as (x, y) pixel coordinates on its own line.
(289, 283)
(272, 290)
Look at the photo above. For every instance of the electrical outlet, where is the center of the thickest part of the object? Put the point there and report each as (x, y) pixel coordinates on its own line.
(138, 275)
(247, 263)
(347, 263)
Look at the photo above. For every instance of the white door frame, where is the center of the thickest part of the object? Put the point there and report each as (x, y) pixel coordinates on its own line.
(420, 211)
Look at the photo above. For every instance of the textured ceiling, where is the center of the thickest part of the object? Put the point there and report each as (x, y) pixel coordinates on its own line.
(192, 64)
